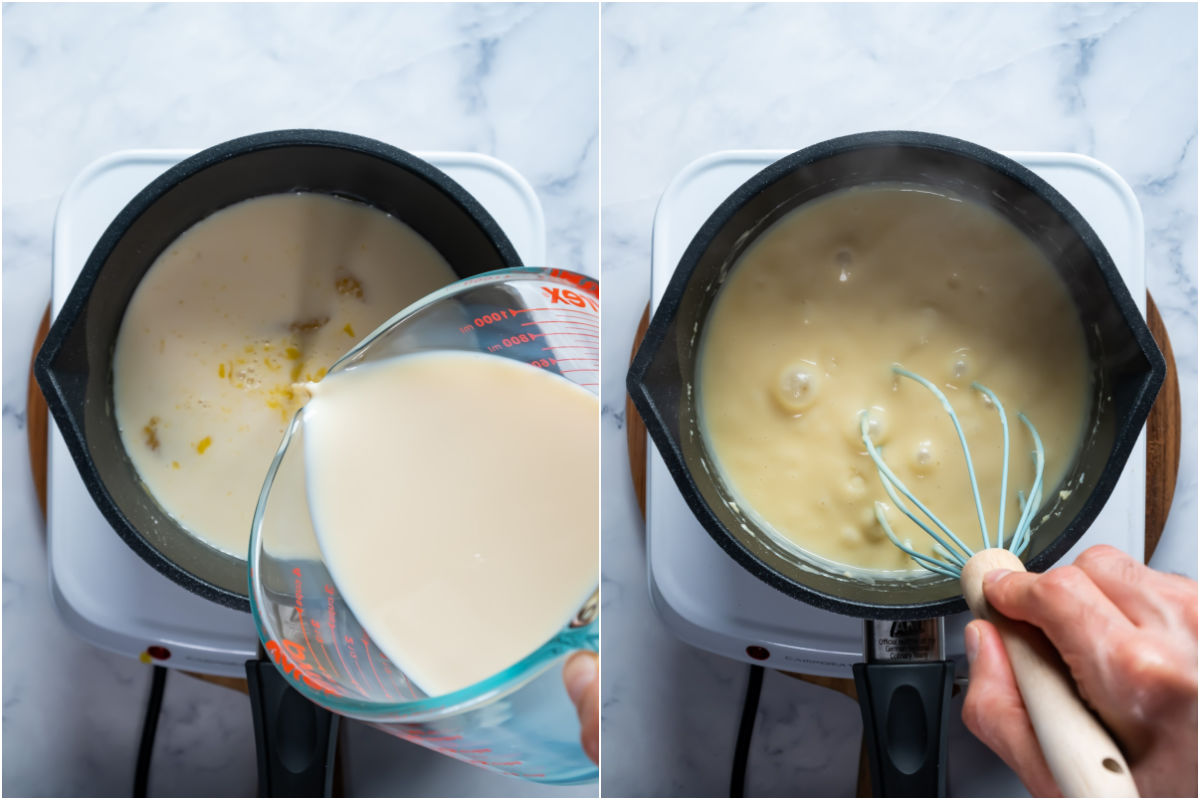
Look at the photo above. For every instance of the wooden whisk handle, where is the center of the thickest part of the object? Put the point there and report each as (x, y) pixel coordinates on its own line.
(1083, 757)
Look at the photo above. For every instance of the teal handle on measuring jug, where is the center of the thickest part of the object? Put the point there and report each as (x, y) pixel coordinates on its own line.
(518, 721)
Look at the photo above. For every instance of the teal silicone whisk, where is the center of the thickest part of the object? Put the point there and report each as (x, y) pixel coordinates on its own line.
(954, 553)
(1082, 756)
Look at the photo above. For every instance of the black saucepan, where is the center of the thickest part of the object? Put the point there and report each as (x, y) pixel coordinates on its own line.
(74, 366)
(1126, 365)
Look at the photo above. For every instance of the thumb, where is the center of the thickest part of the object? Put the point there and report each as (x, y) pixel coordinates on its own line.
(581, 676)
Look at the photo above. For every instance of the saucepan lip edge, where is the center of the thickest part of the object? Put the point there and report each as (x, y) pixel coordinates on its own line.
(661, 321)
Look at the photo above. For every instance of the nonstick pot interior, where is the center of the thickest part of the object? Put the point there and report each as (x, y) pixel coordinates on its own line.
(74, 366)
(1126, 365)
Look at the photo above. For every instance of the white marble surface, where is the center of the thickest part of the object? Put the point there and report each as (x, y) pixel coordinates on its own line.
(1116, 82)
(518, 82)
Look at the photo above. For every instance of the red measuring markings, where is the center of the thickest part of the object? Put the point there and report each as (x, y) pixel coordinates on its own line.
(502, 314)
(484, 320)
(586, 336)
(433, 740)
(582, 331)
(530, 338)
(572, 334)
(513, 341)
(408, 687)
(354, 657)
(583, 313)
(573, 323)
(367, 647)
(303, 627)
(331, 621)
(567, 297)
(590, 348)
(290, 657)
(317, 627)
(560, 299)
(585, 283)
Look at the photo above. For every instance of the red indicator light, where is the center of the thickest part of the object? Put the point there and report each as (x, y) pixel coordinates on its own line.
(757, 653)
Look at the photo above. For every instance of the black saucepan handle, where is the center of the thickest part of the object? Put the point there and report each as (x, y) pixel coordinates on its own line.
(905, 708)
(295, 738)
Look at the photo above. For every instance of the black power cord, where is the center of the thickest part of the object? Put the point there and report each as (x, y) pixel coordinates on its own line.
(141, 773)
(741, 750)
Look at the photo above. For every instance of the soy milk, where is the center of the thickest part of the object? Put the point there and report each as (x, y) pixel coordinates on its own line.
(255, 297)
(455, 498)
(802, 337)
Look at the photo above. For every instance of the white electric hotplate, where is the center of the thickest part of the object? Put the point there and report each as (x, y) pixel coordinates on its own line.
(105, 592)
(710, 601)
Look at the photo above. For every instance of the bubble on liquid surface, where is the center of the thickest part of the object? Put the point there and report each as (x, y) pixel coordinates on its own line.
(797, 386)
(924, 458)
(960, 364)
(843, 259)
(877, 426)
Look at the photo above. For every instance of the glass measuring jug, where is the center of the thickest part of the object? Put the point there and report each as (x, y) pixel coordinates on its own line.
(519, 721)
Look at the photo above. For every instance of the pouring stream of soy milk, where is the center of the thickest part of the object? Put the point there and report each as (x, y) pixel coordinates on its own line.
(455, 500)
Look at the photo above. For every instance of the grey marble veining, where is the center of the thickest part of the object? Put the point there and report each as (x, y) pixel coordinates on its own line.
(1115, 82)
(515, 81)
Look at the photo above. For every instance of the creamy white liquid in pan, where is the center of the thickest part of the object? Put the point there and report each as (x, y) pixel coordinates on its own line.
(257, 296)
(455, 498)
(803, 335)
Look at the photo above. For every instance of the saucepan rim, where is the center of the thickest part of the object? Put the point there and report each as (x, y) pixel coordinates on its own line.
(658, 427)
(77, 300)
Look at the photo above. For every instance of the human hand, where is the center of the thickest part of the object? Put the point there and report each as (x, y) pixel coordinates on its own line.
(1128, 636)
(581, 676)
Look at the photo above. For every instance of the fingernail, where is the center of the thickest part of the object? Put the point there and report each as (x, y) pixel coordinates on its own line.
(578, 675)
(995, 575)
(971, 640)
